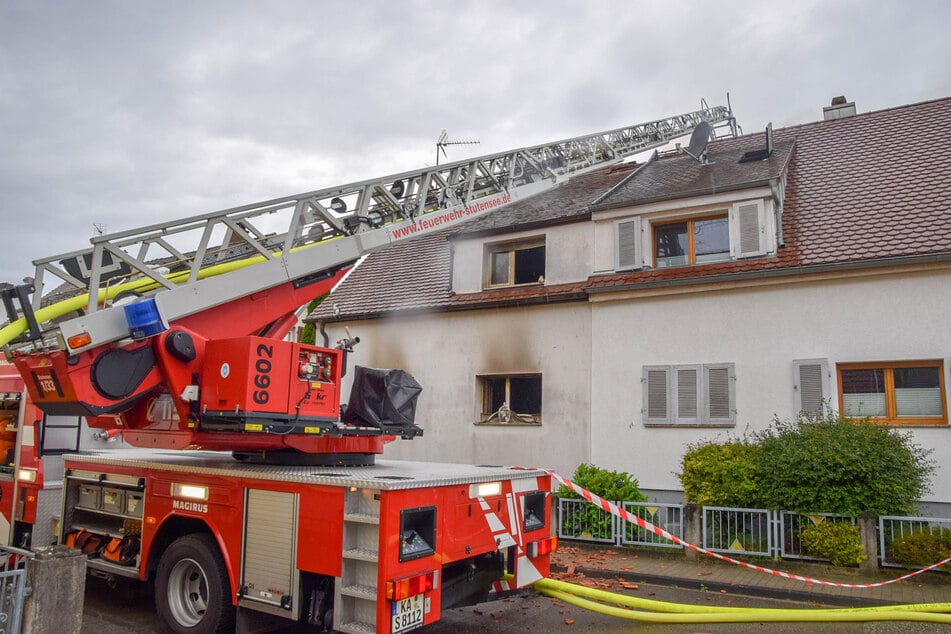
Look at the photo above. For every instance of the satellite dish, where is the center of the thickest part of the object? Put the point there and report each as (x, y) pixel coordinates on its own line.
(698, 141)
(338, 205)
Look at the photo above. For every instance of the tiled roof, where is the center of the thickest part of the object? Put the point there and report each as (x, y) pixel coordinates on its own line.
(682, 176)
(860, 190)
(415, 274)
(566, 203)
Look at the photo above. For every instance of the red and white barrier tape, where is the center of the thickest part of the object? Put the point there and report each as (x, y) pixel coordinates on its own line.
(645, 525)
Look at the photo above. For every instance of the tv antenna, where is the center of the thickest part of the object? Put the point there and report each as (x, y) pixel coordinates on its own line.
(444, 140)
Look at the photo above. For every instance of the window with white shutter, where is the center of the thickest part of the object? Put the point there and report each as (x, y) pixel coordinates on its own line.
(748, 229)
(719, 404)
(656, 392)
(689, 395)
(810, 385)
(627, 234)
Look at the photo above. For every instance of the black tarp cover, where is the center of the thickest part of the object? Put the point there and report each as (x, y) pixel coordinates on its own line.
(385, 399)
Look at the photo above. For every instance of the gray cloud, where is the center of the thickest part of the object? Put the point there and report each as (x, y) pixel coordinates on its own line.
(126, 114)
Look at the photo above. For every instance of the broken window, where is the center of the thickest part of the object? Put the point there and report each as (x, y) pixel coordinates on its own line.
(513, 264)
(511, 399)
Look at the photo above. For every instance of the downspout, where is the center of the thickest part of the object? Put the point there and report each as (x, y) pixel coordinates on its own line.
(778, 190)
(321, 328)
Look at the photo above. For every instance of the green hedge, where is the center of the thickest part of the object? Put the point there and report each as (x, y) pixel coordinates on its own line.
(839, 542)
(823, 464)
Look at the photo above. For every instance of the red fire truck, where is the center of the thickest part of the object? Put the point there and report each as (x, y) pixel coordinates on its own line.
(172, 337)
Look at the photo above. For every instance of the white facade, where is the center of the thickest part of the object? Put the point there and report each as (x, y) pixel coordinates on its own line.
(446, 352)
(591, 355)
(762, 330)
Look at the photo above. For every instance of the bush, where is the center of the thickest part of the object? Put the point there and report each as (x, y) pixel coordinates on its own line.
(839, 542)
(613, 486)
(922, 547)
(724, 474)
(838, 465)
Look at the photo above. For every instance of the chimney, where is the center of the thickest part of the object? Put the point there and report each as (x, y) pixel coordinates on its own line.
(839, 109)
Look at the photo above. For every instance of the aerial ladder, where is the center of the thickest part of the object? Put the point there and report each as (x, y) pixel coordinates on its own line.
(172, 333)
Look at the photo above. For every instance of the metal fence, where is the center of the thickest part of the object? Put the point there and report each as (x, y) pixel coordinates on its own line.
(742, 531)
(914, 533)
(580, 520)
(669, 517)
(13, 590)
(738, 531)
(791, 527)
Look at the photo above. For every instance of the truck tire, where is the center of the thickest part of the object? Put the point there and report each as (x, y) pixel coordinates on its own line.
(192, 591)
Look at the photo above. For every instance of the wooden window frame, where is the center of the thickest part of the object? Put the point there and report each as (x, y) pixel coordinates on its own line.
(510, 248)
(485, 416)
(691, 237)
(891, 417)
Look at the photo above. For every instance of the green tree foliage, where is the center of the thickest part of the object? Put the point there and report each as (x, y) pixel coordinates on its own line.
(721, 474)
(820, 464)
(308, 333)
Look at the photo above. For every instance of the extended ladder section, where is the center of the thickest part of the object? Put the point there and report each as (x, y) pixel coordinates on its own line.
(204, 261)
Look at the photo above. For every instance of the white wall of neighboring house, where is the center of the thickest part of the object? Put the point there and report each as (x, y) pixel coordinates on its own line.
(445, 352)
(569, 253)
(762, 330)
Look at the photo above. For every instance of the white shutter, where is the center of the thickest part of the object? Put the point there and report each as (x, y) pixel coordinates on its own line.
(656, 394)
(748, 229)
(810, 385)
(627, 234)
(719, 394)
(686, 394)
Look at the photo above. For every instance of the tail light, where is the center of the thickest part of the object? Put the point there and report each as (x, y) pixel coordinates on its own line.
(542, 547)
(410, 586)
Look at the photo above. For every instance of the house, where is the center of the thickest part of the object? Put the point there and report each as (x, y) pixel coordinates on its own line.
(638, 309)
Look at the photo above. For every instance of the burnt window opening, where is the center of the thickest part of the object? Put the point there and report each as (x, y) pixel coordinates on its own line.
(511, 399)
(511, 265)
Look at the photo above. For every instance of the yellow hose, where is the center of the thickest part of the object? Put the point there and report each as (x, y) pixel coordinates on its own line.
(750, 615)
(546, 585)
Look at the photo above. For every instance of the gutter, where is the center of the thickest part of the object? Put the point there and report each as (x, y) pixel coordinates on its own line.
(931, 258)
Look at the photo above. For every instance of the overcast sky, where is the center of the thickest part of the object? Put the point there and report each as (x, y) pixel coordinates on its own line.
(127, 113)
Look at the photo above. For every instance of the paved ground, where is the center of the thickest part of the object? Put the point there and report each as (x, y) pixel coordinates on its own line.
(585, 564)
(658, 575)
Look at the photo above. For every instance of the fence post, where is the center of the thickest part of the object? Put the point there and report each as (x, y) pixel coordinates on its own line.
(57, 579)
(867, 526)
(693, 529)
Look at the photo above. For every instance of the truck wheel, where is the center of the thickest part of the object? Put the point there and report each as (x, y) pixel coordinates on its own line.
(192, 591)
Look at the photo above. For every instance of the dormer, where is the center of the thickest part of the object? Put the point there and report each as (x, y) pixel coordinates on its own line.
(675, 212)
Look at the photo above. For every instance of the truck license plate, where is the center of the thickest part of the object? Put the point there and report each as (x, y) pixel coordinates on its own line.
(408, 614)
